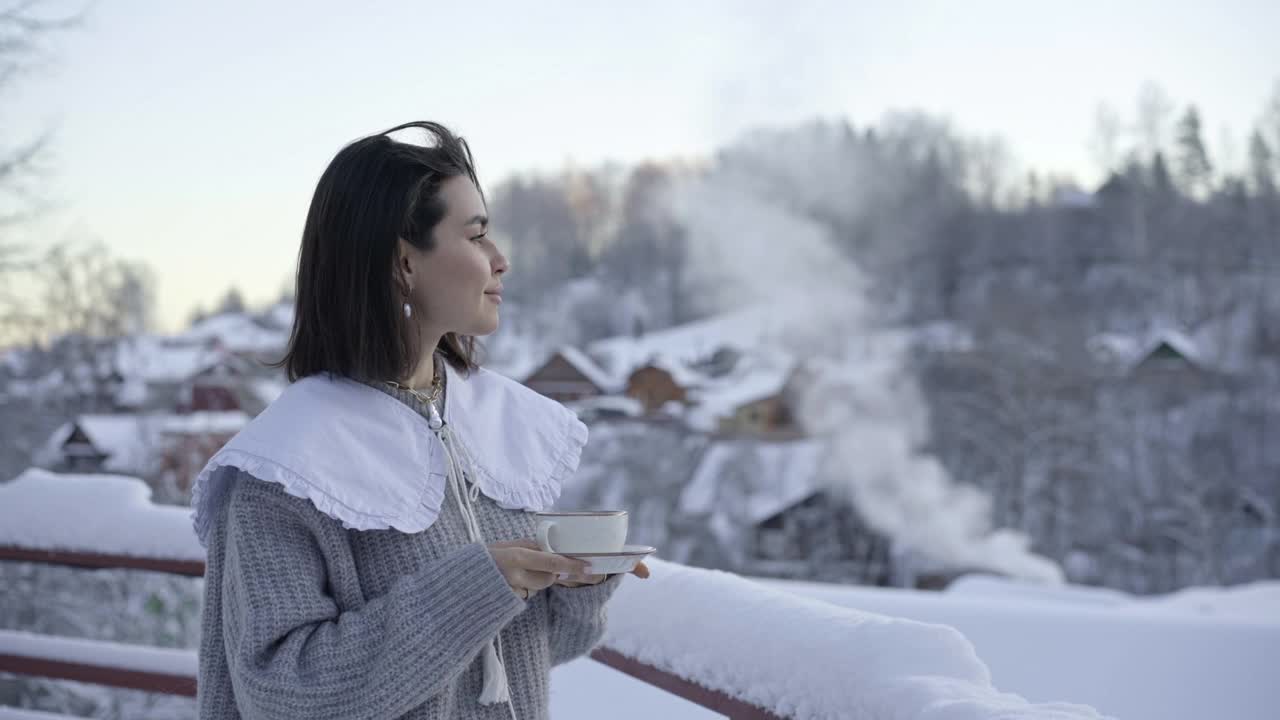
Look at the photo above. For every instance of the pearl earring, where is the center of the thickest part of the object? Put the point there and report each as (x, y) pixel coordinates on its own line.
(408, 310)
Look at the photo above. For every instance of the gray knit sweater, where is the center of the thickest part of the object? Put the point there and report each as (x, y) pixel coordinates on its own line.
(305, 619)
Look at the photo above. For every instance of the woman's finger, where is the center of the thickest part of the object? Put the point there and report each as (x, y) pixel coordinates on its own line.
(588, 579)
(640, 570)
(537, 580)
(550, 562)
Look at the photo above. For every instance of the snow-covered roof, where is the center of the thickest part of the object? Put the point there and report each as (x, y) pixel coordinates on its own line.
(748, 383)
(676, 349)
(1129, 350)
(1179, 341)
(681, 374)
(133, 393)
(620, 404)
(164, 360)
(747, 481)
(755, 332)
(589, 369)
(237, 332)
(279, 316)
(128, 440)
(111, 514)
(132, 441)
(205, 422)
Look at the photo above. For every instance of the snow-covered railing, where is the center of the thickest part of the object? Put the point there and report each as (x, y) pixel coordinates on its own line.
(162, 670)
(721, 641)
(117, 526)
(805, 658)
(12, 713)
(87, 519)
(153, 669)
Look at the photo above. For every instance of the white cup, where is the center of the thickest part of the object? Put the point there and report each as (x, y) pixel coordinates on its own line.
(587, 531)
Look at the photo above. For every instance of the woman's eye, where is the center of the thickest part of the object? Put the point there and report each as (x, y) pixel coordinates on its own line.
(481, 236)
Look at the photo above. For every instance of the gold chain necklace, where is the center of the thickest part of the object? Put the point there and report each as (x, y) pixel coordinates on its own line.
(437, 384)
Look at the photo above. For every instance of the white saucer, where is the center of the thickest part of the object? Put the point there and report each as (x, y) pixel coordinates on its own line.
(623, 561)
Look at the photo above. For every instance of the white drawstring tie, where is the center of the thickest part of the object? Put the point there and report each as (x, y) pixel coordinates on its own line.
(460, 466)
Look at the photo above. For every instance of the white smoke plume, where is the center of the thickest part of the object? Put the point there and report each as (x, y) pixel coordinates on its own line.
(751, 241)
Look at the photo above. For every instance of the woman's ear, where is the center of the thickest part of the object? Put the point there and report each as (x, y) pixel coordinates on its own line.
(404, 260)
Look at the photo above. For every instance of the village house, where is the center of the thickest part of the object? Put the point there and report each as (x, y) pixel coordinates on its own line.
(570, 375)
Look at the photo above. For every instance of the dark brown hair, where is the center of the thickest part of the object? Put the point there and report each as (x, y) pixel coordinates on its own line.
(348, 311)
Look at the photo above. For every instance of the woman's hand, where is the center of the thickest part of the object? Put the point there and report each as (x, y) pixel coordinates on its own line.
(575, 577)
(528, 569)
(640, 570)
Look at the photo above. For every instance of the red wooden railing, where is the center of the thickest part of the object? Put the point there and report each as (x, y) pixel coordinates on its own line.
(39, 663)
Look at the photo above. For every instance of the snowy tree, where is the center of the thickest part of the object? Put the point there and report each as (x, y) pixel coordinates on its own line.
(1154, 111)
(1105, 140)
(1194, 170)
(26, 29)
(231, 303)
(1262, 170)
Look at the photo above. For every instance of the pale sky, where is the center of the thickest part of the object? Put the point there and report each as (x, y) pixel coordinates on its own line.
(191, 135)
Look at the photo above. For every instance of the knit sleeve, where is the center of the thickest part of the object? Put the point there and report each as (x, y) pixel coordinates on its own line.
(292, 653)
(578, 617)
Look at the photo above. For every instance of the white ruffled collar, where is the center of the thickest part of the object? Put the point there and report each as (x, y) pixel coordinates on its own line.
(370, 461)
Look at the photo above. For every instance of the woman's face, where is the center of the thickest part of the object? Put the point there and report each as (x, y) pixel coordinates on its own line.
(456, 286)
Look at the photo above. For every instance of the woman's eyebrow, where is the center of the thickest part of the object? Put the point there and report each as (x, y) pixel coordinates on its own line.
(481, 220)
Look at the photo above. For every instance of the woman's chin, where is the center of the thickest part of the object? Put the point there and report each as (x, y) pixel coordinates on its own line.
(485, 327)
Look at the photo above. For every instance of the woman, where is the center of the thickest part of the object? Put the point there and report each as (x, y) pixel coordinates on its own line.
(370, 553)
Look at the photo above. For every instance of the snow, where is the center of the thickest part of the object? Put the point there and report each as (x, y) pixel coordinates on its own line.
(589, 369)
(162, 360)
(133, 441)
(279, 316)
(1128, 351)
(723, 396)
(619, 405)
(581, 687)
(15, 360)
(681, 374)
(51, 384)
(1129, 657)
(110, 514)
(1179, 341)
(219, 422)
(824, 661)
(1259, 601)
(141, 658)
(978, 585)
(674, 348)
(781, 474)
(133, 393)
(128, 440)
(843, 651)
(12, 713)
(267, 389)
(236, 332)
